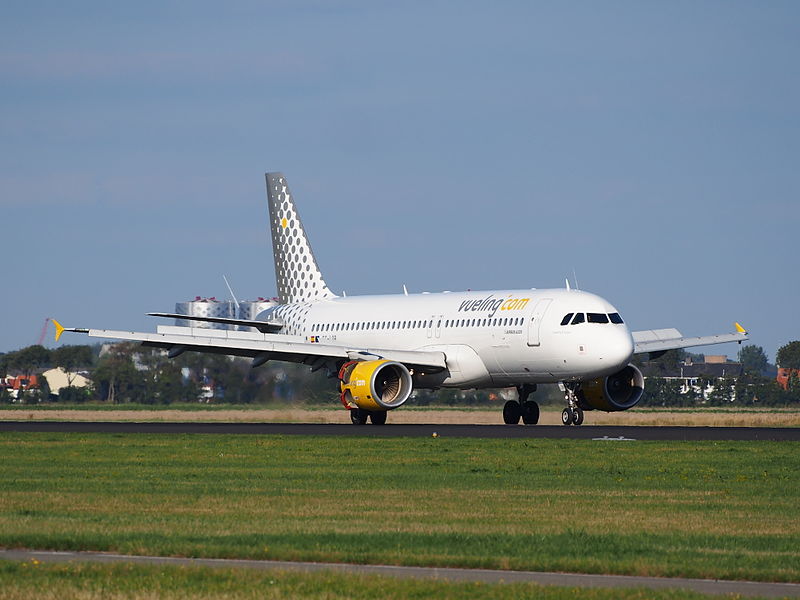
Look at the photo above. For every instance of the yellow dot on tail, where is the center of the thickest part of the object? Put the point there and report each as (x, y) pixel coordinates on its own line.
(284, 222)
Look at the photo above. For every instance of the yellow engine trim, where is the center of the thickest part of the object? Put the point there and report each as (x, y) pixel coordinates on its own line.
(594, 395)
(358, 385)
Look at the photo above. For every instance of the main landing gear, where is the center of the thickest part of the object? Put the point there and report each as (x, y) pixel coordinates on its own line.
(573, 414)
(359, 416)
(526, 409)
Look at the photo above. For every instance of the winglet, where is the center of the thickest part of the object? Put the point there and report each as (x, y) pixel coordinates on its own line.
(59, 328)
(740, 329)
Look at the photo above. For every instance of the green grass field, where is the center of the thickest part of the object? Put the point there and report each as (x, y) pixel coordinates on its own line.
(31, 581)
(711, 509)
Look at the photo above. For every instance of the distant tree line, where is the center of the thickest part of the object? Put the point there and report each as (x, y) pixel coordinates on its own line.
(130, 373)
(751, 389)
(31, 360)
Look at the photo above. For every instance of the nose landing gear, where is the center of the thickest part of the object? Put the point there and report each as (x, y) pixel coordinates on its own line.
(573, 414)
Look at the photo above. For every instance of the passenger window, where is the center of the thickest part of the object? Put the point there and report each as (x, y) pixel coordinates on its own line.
(615, 318)
(567, 317)
(597, 317)
(579, 318)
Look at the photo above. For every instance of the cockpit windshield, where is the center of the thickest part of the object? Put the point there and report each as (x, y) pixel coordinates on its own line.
(577, 318)
(597, 317)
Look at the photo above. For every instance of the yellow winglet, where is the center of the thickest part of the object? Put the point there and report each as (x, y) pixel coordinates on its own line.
(740, 329)
(59, 328)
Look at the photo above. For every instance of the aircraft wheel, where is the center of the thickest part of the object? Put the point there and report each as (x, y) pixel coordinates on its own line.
(577, 416)
(358, 416)
(530, 413)
(378, 417)
(567, 416)
(512, 411)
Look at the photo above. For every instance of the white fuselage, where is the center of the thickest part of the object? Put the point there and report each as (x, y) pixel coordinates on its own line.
(490, 338)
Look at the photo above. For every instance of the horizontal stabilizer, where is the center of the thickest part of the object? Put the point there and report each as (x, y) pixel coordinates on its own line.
(262, 326)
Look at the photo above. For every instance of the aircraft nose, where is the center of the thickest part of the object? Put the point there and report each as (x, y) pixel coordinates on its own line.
(621, 350)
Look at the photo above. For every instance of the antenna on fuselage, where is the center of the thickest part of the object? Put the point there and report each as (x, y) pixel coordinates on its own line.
(575, 278)
(405, 291)
(566, 280)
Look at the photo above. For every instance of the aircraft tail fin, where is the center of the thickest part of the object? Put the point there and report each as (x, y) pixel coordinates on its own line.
(297, 274)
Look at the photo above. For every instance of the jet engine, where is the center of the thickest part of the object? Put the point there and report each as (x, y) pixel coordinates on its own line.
(619, 391)
(375, 384)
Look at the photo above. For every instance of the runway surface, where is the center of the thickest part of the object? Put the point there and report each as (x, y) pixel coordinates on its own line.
(705, 586)
(589, 432)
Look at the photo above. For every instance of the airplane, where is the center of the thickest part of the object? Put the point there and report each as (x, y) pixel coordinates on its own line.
(382, 347)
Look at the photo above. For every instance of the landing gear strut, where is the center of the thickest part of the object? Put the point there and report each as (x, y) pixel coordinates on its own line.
(526, 409)
(573, 414)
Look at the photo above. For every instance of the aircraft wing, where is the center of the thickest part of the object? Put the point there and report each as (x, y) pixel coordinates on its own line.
(262, 347)
(661, 340)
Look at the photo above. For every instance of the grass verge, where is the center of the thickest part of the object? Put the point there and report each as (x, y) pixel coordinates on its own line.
(37, 581)
(696, 509)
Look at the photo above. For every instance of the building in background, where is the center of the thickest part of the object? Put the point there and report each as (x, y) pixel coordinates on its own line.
(697, 377)
(58, 378)
(226, 309)
(205, 307)
(19, 384)
(250, 309)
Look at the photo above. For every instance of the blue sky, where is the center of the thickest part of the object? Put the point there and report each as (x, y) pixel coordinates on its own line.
(652, 147)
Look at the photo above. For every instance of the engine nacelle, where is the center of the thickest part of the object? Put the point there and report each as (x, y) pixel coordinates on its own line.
(375, 384)
(619, 391)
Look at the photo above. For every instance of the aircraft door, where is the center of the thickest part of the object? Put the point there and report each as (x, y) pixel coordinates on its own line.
(535, 321)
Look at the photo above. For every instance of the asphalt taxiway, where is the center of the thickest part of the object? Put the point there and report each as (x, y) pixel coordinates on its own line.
(588, 432)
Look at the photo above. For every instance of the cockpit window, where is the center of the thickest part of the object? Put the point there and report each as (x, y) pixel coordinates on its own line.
(565, 320)
(578, 318)
(597, 317)
(615, 318)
